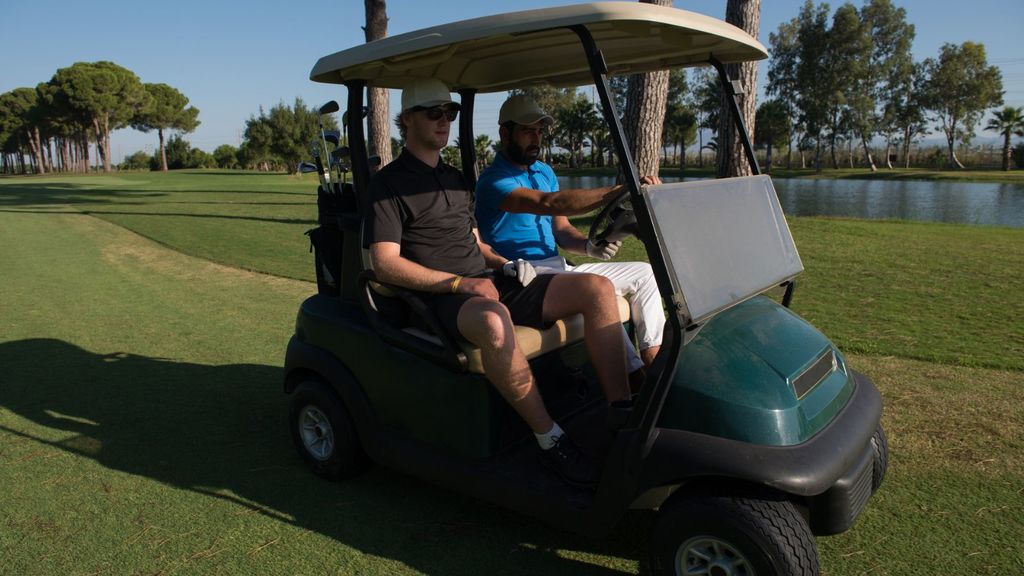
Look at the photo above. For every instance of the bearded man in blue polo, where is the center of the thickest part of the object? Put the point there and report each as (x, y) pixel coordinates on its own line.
(523, 215)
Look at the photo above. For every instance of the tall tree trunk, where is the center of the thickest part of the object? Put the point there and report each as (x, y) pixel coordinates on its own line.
(951, 142)
(888, 152)
(768, 160)
(700, 147)
(1006, 152)
(867, 154)
(682, 159)
(732, 160)
(86, 160)
(378, 127)
(98, 131)
(906, 146)
(789, 152)
(832, 150)
(163, 150)
(102, 127)
(36, 145)
(957, 163)
(106, 144)
(646, 100)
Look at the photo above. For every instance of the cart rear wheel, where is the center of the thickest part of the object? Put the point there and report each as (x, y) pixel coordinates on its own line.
(717, 535)
(323, 432)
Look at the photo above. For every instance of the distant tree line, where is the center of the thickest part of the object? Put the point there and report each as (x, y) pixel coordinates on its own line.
(845, 81)
(49, 128)
(274, 140)
(836, 85)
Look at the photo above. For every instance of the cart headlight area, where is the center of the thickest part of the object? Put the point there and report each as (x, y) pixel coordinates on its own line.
(760, 374)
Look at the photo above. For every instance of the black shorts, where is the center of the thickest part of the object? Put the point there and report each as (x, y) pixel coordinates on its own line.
(525, 304)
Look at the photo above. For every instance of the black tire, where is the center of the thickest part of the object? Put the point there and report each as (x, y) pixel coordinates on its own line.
(323, 432)
(760, 534)
(881, 465)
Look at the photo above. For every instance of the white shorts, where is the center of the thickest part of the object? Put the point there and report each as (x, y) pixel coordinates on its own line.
(635, 282)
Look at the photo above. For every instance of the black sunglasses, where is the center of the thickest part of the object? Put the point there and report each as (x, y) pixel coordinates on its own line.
(434, 113)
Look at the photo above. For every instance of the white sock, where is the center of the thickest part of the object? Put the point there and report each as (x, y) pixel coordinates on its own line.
(547, 440)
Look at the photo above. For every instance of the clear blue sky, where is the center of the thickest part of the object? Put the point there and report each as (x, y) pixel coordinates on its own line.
(230, 58)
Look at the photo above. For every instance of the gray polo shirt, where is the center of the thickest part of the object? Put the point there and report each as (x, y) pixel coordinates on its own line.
(429, 211)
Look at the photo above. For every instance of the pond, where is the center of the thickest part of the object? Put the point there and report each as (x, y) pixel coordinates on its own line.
(989, 204)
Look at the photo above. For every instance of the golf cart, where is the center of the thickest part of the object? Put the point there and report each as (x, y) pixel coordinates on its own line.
(750, 435)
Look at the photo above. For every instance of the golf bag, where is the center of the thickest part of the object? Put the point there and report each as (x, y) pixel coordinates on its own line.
(327, 240)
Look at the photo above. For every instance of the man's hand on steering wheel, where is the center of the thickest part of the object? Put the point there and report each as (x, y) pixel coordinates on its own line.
(615, 221)
(603, 250)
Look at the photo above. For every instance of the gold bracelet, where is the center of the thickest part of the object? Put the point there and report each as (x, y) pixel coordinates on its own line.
(455, 284)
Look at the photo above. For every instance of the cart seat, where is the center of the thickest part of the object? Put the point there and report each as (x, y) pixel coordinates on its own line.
(532, 342)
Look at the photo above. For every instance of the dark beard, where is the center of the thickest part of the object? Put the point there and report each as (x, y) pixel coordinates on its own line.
(522, 156)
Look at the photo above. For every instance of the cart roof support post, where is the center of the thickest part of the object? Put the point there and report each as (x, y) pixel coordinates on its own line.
(652, 398)
(731, 89)
(467, 143)
(357, 142)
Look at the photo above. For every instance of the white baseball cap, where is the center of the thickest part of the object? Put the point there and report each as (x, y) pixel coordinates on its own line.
(426, 93)
(522, 109)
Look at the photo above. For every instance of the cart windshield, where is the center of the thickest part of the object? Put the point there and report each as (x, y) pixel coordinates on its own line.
(724, 241)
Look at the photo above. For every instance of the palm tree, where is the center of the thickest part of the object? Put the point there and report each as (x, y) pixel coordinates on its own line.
(484, 152)
(1008, 121)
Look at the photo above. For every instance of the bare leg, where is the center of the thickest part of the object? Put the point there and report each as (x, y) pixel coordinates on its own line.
(594, 298)
(487, 324)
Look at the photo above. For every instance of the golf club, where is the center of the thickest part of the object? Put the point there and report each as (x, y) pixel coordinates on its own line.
(329, 108)
(340, 159)
(315, 149)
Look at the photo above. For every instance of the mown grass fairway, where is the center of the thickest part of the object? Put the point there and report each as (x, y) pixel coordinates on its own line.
(143, 429)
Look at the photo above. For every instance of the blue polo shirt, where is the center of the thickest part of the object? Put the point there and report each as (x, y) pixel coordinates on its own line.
(526, 236)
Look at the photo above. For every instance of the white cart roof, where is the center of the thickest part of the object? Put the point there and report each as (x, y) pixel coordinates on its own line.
(515, 50)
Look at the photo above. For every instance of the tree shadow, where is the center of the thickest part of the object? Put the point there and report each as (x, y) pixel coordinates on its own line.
(50, 193)
(221, 431)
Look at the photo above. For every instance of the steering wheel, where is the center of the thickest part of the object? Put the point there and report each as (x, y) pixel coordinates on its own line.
(614, 222)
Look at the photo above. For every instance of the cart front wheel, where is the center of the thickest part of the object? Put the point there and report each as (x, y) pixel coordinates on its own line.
(718, 535)
(881, 464)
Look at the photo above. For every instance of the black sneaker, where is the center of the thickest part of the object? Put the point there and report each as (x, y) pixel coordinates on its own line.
(570, 463)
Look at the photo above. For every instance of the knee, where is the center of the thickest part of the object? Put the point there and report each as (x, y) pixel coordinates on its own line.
(602, 286)
(491, 325)
(598, 289)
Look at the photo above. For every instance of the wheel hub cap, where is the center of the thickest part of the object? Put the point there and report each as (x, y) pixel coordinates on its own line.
(316, 433)
(707, 556)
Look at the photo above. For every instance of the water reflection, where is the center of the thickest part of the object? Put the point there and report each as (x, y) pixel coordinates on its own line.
(989, 204)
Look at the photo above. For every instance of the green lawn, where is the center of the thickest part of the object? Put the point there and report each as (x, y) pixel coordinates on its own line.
(142, 426)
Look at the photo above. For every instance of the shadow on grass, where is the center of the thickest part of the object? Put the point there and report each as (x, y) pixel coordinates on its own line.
(48, 193)
(221, 431)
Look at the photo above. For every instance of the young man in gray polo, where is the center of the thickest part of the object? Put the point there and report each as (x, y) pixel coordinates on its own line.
(422, 235)
(523, 215)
